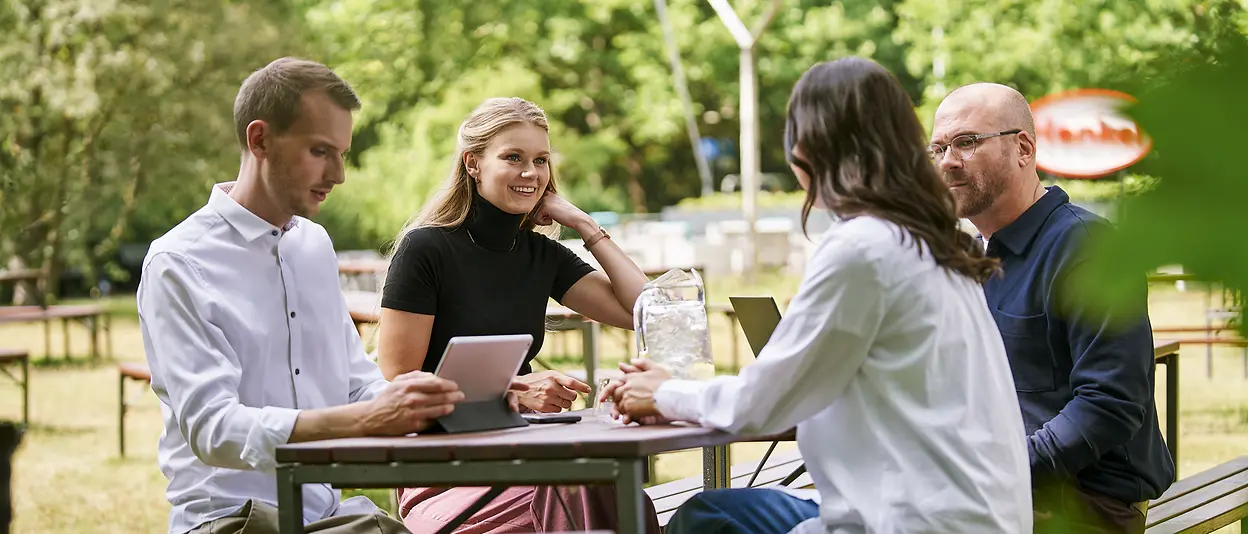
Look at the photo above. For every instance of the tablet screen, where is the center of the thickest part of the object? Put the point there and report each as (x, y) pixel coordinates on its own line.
(483, 366)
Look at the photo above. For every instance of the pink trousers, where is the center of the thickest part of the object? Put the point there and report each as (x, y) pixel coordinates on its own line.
(523, 509)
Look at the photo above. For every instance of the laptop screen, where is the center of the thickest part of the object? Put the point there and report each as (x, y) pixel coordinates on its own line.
(758, 317)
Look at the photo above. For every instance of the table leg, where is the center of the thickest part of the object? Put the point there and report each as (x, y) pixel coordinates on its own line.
(108, 335)
(590, 331)
(715, 468)
(26, 391)
(628, 496)
(289, 501)
(121, 415)
(1172, 407)
(65, 338)
(95, 337)
(47, 339)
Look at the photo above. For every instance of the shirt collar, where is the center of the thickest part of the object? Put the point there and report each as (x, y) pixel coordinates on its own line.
(248, 224)
(1017, 236)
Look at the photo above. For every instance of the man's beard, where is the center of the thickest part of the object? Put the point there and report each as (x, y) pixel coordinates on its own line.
(977, 193)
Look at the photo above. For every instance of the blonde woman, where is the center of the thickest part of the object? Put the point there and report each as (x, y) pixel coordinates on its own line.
(472, 263)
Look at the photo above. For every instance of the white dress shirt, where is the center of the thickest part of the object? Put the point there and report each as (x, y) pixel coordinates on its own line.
(893, 371)
(244, 325)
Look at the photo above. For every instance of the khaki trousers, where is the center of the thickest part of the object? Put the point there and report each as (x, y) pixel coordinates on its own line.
(259, 518)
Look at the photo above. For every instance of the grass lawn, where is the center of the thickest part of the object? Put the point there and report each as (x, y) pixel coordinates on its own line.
(68, 477)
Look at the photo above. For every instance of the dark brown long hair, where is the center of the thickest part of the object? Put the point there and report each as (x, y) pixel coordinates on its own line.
(866, 154)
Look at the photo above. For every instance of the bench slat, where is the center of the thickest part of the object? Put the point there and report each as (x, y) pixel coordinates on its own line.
(675, 487)
(1209, 517)
(668, 497)
(668, 507)
(1200, 480)
(1186, 506)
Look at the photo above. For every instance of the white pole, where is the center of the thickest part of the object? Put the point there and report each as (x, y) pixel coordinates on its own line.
(750, 167)
(749, 158)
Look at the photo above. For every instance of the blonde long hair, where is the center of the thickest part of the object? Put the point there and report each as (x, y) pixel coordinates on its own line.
(450, 206)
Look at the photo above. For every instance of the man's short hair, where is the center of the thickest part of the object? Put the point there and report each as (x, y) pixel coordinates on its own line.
(272, 94)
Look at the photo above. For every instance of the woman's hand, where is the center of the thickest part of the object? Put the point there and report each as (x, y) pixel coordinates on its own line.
(549, 391)
(555, 209)
(634, 393)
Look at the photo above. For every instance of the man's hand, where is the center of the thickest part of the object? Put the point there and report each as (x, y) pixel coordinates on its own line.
(410, 404)
(634, 393)
(549, 391)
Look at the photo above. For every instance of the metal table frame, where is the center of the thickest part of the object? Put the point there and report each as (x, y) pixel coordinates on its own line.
(625, 473)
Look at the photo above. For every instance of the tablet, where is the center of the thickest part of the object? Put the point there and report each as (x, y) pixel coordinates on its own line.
(483, 366)
(758, 317)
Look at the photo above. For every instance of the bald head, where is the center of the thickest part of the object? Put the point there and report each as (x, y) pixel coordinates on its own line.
(1000, 105)
(1000, 164)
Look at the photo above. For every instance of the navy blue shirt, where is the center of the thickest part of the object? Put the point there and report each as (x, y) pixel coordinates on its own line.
(1084, 374)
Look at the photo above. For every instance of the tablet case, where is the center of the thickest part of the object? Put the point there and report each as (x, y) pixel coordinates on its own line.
(478, 416)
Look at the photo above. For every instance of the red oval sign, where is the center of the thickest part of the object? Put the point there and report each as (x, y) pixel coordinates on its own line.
(1083, 134)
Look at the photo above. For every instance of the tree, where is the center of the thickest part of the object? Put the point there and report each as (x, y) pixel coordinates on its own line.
(117, 117)
(599, 69)
(1016, 42)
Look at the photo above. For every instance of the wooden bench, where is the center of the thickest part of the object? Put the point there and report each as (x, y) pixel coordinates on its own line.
(14, 356)
(782, 468)
(90, 315)
(138, 372)
(1203, 502)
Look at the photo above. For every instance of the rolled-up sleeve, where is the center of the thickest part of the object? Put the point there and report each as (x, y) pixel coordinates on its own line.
(197, 373)
(815, 351)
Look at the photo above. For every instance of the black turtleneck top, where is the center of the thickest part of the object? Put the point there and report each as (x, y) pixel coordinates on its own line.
(485, 277)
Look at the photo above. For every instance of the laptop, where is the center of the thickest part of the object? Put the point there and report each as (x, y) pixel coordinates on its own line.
(758, 317)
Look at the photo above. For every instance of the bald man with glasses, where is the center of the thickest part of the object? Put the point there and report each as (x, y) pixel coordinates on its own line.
(1084, 374)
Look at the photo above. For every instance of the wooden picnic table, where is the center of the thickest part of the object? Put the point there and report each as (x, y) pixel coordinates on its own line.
(90, 315)
(593, 451)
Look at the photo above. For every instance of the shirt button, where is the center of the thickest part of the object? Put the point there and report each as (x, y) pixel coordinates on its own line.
(296, 371)
(273, 233)
(292, 315)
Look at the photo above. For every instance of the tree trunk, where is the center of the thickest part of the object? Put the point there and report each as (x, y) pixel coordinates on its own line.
(636, 192)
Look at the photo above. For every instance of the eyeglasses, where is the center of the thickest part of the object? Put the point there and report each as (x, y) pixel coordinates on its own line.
(963, 145)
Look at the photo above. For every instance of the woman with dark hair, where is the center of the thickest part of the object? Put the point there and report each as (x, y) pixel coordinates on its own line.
(887, 359)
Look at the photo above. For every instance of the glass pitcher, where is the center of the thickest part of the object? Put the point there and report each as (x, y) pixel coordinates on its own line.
(671, 325)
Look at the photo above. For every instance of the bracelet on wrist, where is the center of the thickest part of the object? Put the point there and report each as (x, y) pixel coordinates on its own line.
(599, 236)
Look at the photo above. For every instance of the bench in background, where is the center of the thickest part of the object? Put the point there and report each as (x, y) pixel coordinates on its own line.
(1203, 502)
(137, 372)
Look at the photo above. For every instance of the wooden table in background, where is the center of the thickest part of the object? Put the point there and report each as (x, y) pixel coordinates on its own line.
(1166, 352)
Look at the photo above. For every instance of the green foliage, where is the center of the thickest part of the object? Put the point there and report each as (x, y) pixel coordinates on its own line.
(1195, 215)
(1040, 47)
(116, 114)
(117, 117)
(1107, 189)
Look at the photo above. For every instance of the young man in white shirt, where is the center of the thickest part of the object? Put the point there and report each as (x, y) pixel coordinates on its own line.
(886, 361)
(247, 334)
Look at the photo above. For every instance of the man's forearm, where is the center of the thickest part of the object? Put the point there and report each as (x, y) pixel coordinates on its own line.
(1082, 432)
(330, 423)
